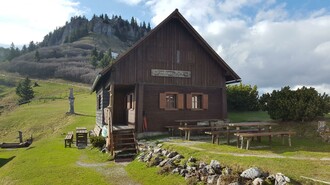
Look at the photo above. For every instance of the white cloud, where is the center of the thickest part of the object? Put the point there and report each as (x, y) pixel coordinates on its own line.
(131, 2)
(32, 20)
(267, 48)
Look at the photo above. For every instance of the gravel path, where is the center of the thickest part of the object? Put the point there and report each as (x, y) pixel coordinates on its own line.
(113, 172)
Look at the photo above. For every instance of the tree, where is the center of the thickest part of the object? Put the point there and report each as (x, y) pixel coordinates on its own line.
(24, 90)
(303, 104)
(105, 61)
(13, 52)
(242, 97)
(94, 61)
(37, 56)
(32, 46)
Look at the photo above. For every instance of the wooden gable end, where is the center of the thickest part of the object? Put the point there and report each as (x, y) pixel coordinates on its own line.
(173, 49)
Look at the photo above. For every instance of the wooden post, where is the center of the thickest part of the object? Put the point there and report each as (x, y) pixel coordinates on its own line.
(110, 144)
(20, 136)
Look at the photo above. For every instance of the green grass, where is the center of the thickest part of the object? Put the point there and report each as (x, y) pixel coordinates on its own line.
(47, 161)
(248, 116)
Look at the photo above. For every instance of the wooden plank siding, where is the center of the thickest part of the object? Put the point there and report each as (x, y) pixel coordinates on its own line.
(158, 117)
(160, 51)
(104, 94)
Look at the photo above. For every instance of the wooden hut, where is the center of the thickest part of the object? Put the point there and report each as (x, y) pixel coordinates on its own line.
(170, 74)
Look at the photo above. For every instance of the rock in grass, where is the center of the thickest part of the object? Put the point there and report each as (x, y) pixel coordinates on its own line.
(216, 166)
(172, 154)
(281, 179)
(258, 181)
(212, 179)
(251, 173)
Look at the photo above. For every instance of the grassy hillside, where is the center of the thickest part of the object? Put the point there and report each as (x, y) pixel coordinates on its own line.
(47, 161)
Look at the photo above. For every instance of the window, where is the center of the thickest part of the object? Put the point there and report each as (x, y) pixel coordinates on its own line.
(171, 101)
(99, 102)
(197, 101)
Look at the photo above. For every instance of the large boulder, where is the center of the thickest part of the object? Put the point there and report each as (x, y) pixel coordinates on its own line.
(251, 173)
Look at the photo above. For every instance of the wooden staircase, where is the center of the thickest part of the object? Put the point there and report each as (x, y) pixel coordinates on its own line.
(124, 145)
(121, 142)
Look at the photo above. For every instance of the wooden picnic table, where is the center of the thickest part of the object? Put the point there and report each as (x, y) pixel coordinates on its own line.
(190, 122)
(248, 137)
(187, 129)
(258, 125)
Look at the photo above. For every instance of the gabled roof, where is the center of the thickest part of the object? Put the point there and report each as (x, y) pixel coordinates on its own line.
(231, 76)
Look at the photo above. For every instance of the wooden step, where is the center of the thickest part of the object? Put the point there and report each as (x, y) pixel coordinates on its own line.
(125, 138)
(125, 150)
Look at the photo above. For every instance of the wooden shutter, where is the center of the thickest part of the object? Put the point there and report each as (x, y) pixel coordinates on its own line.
(205, 101)
(189, 101)
(162, 100)
(180, 103)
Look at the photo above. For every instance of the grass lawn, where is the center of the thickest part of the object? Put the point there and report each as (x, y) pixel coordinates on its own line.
(48, 162)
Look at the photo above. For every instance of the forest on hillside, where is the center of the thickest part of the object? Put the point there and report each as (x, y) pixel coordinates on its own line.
(76, 51)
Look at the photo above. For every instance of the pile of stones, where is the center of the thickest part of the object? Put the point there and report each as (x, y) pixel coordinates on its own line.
(171, 162)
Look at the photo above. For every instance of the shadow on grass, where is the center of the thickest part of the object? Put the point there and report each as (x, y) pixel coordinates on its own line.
(4, 161)
(299, 144)
(84, 115)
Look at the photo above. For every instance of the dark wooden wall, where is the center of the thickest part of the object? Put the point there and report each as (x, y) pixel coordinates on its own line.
(158, 118)
(160, 51)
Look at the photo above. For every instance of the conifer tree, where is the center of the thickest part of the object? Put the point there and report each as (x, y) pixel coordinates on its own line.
(24, 90)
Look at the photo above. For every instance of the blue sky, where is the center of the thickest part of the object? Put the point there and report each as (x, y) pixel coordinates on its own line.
(269, 43)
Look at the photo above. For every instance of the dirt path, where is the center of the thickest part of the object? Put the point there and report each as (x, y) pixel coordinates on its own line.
(114, 172)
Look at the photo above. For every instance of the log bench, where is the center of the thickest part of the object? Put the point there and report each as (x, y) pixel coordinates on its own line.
(249, 136)
(68, 140)
(216, 133)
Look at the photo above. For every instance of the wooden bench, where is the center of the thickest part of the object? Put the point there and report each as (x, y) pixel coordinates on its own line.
(96, 131)
(68, 140)
(249, 136)
(216, 134)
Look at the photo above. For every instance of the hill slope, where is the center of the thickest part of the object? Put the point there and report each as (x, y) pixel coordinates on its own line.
(66, 52)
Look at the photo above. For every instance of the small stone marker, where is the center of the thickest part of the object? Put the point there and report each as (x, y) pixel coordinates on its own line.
(71, 101)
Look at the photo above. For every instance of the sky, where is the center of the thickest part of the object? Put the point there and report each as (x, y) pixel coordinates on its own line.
(268, 43)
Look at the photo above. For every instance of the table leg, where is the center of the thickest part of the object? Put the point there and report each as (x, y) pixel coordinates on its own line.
(188, 135)
(237, 129)
(259, 137)
(289, 139)
(248, 140)
(270, 137)
(242, 142)
(213, 139)
(228, 136)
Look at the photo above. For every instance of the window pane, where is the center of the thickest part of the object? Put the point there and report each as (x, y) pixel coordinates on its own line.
(196, 101)
(171, 101)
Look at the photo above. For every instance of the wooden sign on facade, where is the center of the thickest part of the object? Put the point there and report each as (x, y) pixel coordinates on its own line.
(170, 73)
